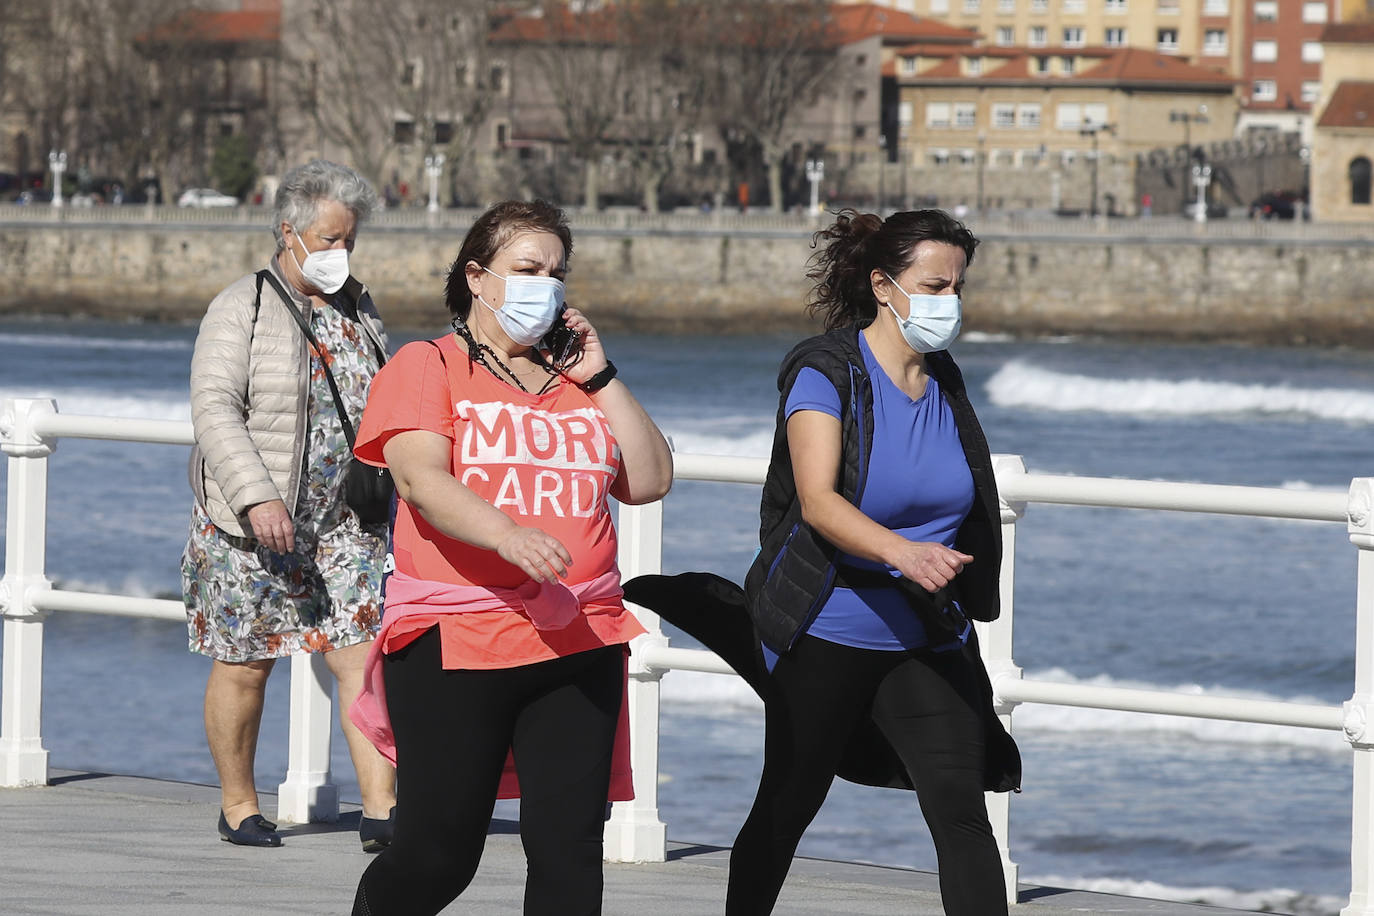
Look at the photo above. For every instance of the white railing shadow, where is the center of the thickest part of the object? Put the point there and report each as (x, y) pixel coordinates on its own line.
(30, 428)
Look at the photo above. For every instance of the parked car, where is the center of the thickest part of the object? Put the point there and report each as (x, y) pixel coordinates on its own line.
(1275, 205)
(205, 197)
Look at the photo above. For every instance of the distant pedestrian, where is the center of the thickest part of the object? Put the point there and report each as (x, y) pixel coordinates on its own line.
(1146, 202)
(278, 563)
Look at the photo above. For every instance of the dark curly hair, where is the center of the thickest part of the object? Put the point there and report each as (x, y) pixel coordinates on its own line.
(856, 244)
(493, 229)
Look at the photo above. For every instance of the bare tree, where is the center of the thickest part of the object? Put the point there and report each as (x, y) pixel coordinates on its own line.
(584, 59)
(764, 61)
(376, 76)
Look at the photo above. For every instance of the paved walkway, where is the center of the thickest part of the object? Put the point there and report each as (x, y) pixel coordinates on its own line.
(112, 845)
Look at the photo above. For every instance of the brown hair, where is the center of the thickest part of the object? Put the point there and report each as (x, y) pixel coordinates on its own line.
(857, 243)
(493, 229)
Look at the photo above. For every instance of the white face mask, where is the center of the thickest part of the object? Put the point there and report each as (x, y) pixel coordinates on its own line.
(932, 322)
(325, 270)
(530, 306)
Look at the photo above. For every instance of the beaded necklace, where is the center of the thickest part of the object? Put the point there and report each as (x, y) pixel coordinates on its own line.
(479, 352)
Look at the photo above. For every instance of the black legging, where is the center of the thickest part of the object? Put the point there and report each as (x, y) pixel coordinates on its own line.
(926, 705)
(453, 729)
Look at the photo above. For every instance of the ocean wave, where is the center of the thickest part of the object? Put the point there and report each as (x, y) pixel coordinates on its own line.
(755, 444)
(1273, 900)
(1019, 384)
(75, 342)
(139, 405)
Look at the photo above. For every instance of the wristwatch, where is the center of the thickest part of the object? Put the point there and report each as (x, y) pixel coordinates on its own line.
(600, 380)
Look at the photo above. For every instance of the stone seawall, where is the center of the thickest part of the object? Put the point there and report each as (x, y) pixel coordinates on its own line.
(1290, 292)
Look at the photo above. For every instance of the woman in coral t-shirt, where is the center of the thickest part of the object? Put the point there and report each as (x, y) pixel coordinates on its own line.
(504, 634)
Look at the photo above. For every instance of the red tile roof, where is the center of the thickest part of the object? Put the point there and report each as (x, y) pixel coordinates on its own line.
(1359, 32)
(1096, 65)
(1133, 65)
(856, 21)
(205, 26)
(1351, 105)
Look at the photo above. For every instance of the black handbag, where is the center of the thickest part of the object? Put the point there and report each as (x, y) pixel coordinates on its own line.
(368, 490)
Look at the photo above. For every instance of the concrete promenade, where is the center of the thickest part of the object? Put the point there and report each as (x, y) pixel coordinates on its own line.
(92, 843)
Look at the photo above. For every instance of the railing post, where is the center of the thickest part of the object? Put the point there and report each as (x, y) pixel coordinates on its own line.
(1359, 711)
(307, 795)
(23, 760)
(995, 642)
(634, 832)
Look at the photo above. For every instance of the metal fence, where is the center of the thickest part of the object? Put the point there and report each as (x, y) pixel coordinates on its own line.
(30, 429)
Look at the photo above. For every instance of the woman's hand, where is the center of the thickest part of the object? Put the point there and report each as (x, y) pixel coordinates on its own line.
(540, 556)
(272, 526)
(931, 566)
(591, 358)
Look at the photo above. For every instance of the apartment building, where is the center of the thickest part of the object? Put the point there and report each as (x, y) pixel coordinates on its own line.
(1343, 139)
(1282, 75)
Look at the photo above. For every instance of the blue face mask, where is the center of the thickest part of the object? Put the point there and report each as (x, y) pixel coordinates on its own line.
(530, 306)
(932, 322)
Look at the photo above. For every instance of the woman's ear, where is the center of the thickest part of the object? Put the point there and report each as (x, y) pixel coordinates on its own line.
(473, 272)
(878, 280)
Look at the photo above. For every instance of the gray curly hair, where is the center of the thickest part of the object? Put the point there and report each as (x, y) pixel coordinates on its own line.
(305, 186)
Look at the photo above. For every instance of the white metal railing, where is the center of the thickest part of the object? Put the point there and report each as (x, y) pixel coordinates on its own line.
(30, 428)
(991, 225)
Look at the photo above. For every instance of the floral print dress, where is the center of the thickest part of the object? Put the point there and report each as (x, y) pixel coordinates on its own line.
(244, 602)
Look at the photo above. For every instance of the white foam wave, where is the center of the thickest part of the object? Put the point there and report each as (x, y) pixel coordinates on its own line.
(1019, 384)
(1272, 900)
(756, 444)
(724, 693)
(77, 342)
(142, 405)
(1032, 717)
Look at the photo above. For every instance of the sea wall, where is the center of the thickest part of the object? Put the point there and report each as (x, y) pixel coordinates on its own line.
(1191, 288)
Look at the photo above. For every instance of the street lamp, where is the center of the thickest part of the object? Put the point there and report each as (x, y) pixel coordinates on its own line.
(1202, 176)
(815, 171)
(1188, 118)
(1092, 130)
(434, 167)
(982, 161)
(882, 171)
(57, 162)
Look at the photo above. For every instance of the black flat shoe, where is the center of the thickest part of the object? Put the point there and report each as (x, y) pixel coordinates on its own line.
(254, 830)
(376, 833)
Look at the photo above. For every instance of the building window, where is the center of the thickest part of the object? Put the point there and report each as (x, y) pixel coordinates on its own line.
(1006, 35)
(1028, 115)
(1003, 116)
(1073, 37)
(1040, 66)
(502, 133)
(403, 132)
(1312, 52)
(904, 114)
(906, 6)
(1359, 180)
(965, 114)
(1073, 6)
(967, 157)
(1214, 42)
(1038, 36)
(1067, 157)
(908, 66)
(1040, 6)
(1066, 66)
(971, 6)
(937, 114)
(1030, 157)
(1266, 49)
(939, 6)
(1167, 7)
(1114, 38)
(1116, 6)
(939, 157)
(443, 133)
(1311, 90)
(1068, 116)
(860, 131)
(1266, 10)
(1166, 41)
(973, 66)
(1006, 6)
(1264, 91)
(1314, 11)
(410, 73)
(1095, 113)
(1214, 7)
(498, 78)
(460, 73)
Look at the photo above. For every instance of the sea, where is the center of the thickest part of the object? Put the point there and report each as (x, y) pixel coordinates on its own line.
(1247, 816)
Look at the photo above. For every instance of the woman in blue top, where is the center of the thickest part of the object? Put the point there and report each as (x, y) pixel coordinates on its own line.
(879, 507)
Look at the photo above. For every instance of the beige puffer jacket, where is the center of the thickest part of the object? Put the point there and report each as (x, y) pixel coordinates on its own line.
(250, 382)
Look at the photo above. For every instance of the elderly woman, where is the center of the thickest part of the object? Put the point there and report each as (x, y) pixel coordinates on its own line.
(505, 631)
(277, 562)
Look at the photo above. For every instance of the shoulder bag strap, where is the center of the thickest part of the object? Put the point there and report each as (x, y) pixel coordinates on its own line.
(289, 305)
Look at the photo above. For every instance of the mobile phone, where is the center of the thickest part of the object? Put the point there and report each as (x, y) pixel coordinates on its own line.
(560, 342)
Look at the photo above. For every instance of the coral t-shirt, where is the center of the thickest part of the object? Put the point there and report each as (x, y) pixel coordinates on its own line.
(547, 461)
